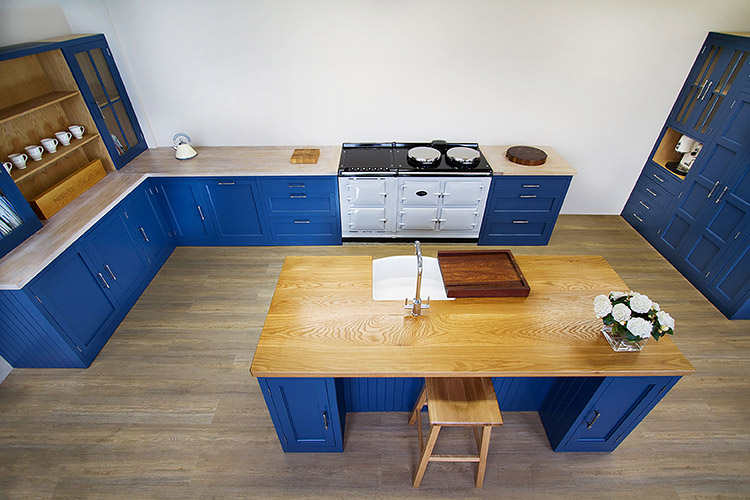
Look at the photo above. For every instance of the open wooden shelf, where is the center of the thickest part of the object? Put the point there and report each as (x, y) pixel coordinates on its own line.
(33, 167)
(35, 104)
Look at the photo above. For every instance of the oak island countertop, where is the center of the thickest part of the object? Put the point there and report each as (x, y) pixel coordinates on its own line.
(322, 322)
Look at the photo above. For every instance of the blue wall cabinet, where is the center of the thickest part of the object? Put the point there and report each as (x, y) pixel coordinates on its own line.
(700, 219)
(102, 88)
(233, 206)
(17, 220)
(77, 298)
(305, 412)
(596, 414)
(151, 227)
(184, 206)
(522, 210)
(301, 210)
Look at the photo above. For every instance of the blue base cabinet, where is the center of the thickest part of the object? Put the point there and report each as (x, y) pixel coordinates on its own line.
(597, 413)
(700, 221)
(306, 412)
(522, 210)
(579, 414)
(65, 315)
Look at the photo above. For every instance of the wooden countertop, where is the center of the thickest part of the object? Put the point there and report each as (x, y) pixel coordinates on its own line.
(21, 265)
(323, 322)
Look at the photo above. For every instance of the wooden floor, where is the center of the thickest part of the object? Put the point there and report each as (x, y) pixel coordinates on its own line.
(169, 409)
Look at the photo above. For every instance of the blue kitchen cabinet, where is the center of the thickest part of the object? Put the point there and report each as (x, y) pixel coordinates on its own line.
(150, 225)
(308, 413)
(101, 86)
(302, 210)
(522, 210)
(118, 259)
(182, 202)
(597, 413)
(77, 300)
(232, 204)
(730, 287)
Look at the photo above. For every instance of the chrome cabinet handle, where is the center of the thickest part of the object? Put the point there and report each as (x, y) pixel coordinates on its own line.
(111, 274)
(227, 183)
(650, 192)
(301, 221)
(726, 188)
(298, 196)
(106, 285)
(298, 185)
(143, 232)
(325, 419)
(596, 416)
(639, 219)
(708, 89)
(644, 205)
(530, 185)
(713, 189)
(200, 212)
(527, 196)
(658, 178)
(520, 222)
(700, 92)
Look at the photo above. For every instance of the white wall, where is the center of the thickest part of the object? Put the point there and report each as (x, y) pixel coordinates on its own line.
(595, 79)
(30, 20)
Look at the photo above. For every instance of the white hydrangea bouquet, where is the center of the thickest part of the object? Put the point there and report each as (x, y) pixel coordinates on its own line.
(630, 319)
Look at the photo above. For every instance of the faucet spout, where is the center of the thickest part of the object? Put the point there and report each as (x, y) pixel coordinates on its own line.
(416, 304)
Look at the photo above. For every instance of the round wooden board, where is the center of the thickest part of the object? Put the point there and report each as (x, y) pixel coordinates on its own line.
(526, 155)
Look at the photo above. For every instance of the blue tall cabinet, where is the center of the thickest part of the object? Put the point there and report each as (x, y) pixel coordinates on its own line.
(700, 221)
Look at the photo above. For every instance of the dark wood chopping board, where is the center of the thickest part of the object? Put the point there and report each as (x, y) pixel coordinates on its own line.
(482, 273)
(526, 155)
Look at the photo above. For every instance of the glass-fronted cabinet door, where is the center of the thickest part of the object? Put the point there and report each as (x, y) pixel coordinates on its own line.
(17, 219)
(101, 86)
(712, 78)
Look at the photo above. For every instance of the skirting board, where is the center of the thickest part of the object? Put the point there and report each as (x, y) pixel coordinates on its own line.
(5, 369)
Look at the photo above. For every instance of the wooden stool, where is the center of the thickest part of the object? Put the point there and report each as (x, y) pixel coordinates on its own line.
(456, 402)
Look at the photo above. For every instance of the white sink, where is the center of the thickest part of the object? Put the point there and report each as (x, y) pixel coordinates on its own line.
(395, 278)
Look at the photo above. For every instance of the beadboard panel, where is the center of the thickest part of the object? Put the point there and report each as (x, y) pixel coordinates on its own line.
(381, 394)
(21, 327)
(521, 393)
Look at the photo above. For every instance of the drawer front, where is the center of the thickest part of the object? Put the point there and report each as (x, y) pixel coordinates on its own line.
(516, 229)
(318, 184)
(641, 218)
(655, 194)
(531, 184)
(305, 230)
(662, 177)
(642, 203)
(513, 201)
(301, 202)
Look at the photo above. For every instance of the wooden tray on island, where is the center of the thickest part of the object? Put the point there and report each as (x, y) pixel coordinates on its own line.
(482, 273)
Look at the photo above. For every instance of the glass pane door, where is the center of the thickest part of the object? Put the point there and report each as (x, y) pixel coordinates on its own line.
(9, 217)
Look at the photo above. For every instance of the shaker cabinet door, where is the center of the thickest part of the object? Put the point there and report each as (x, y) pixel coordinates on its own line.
(184, 208)
(150, 225)
(104, 92)
(233, 205)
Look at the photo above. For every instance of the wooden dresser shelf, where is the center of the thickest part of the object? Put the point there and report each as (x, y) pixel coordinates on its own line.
(33, 167)
(35, 104)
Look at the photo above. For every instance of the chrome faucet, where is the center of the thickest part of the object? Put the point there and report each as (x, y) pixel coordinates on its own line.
(416, 303)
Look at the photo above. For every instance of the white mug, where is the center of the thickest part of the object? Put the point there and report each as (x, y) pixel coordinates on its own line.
(8, 165)
(19, 160)
(76, 130)
(35, 152)
(50, 144)
(63, 137)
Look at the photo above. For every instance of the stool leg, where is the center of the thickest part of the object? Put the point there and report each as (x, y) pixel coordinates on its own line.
(421, 400)
(434, 431)
(487, 429)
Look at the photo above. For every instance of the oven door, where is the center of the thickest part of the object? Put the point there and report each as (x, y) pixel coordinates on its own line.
(418, 218)
(464, 192)
(419, 192)
(366, 219)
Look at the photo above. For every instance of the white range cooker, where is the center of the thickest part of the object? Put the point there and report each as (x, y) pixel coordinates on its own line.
(412, 190)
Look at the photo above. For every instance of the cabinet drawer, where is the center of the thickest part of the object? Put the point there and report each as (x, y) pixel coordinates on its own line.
(513, 201)
(655, 195)
(662, 177)
(305, 230)
(641, 219)
(531, 183)
(277, 185)
(642, 203)
(301, 202)
(516, 229)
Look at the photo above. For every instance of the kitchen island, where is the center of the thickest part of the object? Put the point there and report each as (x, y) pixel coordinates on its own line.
(327, 349)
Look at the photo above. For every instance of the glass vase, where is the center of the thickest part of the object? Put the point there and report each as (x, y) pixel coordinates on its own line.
(620, 343)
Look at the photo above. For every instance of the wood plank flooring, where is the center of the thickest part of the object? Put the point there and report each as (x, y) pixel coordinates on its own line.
(169, 409)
